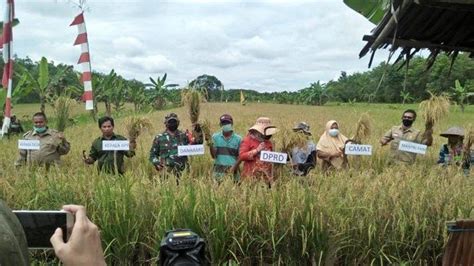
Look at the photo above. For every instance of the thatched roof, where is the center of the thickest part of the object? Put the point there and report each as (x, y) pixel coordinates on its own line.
(437, 25)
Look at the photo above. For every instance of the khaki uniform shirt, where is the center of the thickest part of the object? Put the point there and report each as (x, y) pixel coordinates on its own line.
(51, 148)
(397, 133)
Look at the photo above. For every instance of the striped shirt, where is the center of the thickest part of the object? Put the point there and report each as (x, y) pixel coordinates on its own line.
(227, 152)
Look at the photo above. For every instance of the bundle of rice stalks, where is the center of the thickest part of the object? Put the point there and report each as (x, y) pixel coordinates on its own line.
(289, 139)
(136, 125)
(62, 108)
(191, 98)
(468, 143)
(434, 109)
(206, 130)
(363, 128)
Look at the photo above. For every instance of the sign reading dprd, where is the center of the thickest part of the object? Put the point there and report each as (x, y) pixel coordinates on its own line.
(273, 157)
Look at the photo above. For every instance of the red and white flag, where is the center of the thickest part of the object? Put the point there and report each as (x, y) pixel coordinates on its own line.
(7, 41)
(84, 60)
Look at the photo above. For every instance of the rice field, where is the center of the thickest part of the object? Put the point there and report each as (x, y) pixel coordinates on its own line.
(371, 213)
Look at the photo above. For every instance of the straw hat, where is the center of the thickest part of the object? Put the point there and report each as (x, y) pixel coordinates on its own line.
(264, 126)
(453, 131)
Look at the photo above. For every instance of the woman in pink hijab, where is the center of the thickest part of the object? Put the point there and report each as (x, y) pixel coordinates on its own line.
(330, 148)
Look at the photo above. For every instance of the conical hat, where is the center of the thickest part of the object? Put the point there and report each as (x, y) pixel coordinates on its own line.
(453, 131)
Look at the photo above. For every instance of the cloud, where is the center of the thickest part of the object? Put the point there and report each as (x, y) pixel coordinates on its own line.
(253, 44)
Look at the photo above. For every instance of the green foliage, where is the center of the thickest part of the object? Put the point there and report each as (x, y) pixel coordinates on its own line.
(209, 86)
(373, 10)
(460, 94)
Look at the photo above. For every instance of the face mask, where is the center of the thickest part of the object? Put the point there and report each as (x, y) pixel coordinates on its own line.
(40, 130)
(333, 132)
(172, 128)
(407, 122)
(227, 128)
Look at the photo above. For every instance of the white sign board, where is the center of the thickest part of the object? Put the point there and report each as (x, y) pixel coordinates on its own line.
(356, 149)
(26, 144)
(115, 145)
(412, 147)
(273, 157)
(189, 150)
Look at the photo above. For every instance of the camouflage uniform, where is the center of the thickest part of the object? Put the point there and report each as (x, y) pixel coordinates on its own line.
(51, 148)
(164, 151)
(13, 245)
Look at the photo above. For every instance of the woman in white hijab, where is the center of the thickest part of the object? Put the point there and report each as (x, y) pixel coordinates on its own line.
(330, 148)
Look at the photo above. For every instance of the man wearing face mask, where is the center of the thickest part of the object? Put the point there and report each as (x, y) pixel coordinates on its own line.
(405, 132)
(52, 144)
(224, 150)
(164, 150)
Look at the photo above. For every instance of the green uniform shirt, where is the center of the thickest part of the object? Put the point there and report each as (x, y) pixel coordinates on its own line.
(13, 246)
(106, 158)
(227, 153)
(396, 134)
(164, 150)
(51, 148)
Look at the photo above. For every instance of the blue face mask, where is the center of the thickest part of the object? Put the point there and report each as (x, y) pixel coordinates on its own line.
(40, 130)
(227, 128)
(333, 132)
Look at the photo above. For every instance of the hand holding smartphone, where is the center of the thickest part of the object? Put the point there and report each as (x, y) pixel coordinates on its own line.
(39, 226)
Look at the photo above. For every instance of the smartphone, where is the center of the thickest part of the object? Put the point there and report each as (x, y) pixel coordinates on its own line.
(39, 226)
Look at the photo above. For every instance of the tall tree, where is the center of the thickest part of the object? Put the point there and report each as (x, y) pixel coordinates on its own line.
(43, 83)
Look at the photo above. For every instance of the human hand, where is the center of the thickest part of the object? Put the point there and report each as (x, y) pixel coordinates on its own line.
(158, 167)
(84, 246)
(60, 135)
(260, 147)
(133, 144)
(88, 160)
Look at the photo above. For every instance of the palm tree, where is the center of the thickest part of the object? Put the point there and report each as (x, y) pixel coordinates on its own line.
(158, 87)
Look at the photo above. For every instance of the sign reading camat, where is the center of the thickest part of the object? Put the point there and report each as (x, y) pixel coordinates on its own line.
(412, 147)
(189, 150)
(115, 145)
(26, 144)
(356, 149)
(273, 157)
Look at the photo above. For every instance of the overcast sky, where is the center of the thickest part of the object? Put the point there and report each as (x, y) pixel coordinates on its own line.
(262, 45)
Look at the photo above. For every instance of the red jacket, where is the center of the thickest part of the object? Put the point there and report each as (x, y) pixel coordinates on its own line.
(253, 167)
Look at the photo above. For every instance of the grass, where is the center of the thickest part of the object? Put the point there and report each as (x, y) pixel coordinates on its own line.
(369, 214)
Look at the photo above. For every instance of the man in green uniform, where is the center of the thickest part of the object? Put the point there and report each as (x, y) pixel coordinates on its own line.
(404, 132)
(52, 144)
(225, 150)
(108, 159)
(15, 126)
(164, 150)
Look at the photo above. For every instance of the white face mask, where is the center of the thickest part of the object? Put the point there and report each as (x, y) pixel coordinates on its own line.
(333, 132)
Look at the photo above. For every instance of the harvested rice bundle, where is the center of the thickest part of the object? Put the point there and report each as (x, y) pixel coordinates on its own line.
(363, 128)
(136, 125)
(289, 139)
(192, 98)
(206, 129)
(433, 110)
(62, 108)
(468, 143)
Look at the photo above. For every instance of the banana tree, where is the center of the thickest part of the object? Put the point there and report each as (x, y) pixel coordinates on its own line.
(460, 94)
(405, 96)
(373, 10)
(158, 87)
(42, 84)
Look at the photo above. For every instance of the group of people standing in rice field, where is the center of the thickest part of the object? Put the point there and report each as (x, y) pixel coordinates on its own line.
(229, 150)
